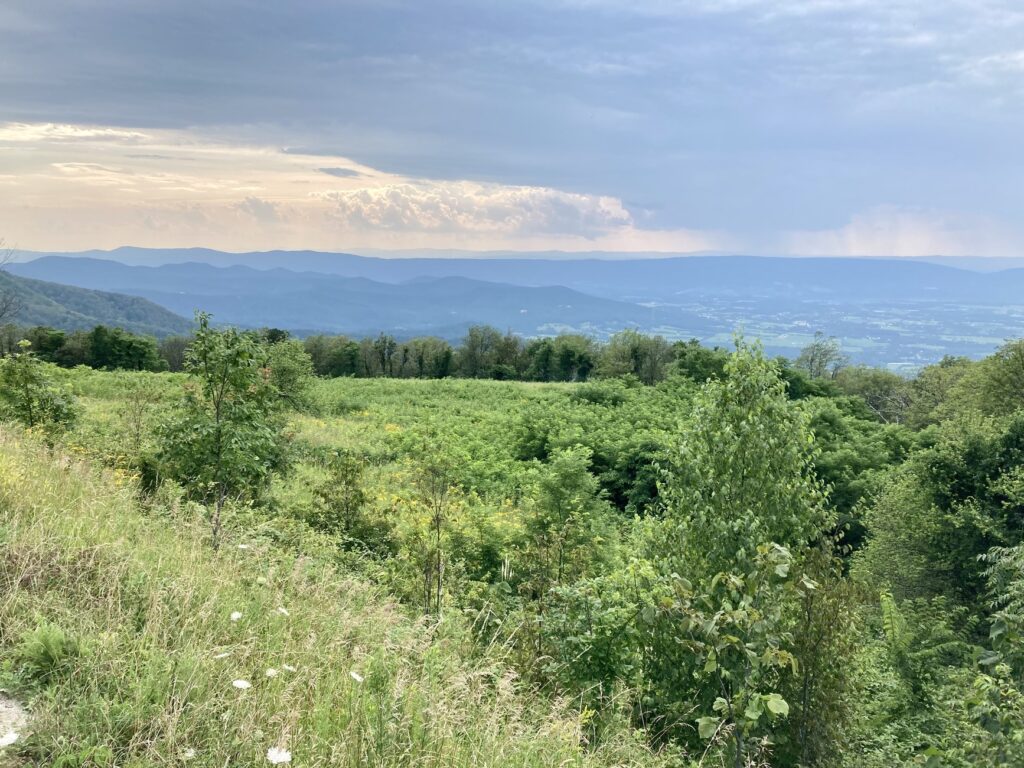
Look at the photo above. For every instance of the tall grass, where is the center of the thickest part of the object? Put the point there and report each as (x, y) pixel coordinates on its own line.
(116, 629)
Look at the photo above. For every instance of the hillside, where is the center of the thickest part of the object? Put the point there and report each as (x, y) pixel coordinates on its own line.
(628, 279)
(316, 301)
(899, 313)
(72, 308)
(104, 602)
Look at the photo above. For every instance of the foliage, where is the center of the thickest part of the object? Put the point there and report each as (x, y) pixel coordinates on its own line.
(135, 662)
(29, 395)
(822, 358)
(291, 370)
(705, 552)
(225, 440)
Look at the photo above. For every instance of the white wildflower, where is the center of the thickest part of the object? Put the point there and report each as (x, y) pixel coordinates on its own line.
(9, 738)
(236, 615)
(287, 667)
(188, 754)
(242, 684)
(283, 611)
(271, 672)
(243, 546)
(356, 676)
(277, 756)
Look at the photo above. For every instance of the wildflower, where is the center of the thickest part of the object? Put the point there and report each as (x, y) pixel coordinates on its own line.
(9, 738)
(271, 672)
(283, 611)
(243, 546)
(236, 615)
(188, 754)
(277, 756)
(356, 676)
(287, 667)
(242, 684)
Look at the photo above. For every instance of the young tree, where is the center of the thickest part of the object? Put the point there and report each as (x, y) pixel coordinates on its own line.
(339, 508)
(28, 394)
(436, 482)
(291, 372)
(741, 505)
(226, 439)
(571, 528)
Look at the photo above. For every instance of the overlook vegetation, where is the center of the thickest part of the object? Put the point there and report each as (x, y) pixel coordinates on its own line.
(654, 555)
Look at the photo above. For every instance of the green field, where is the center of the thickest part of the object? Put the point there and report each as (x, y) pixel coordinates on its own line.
(754, 570)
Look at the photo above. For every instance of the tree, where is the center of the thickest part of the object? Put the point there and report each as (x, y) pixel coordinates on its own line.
(173, 349)
(698, 362)
(742, 504)
(291, 371)
(226, 439)
(570, 528)
(339, 508)
(1002, 382)
(822, 358)
(436, 482)
(114, 348)
(479, 351)
(384, 347)
(631, 352)
(886, 394)
(931, 389)
(28, 394)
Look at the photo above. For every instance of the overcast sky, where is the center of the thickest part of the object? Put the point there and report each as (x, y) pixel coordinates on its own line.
(874, 127)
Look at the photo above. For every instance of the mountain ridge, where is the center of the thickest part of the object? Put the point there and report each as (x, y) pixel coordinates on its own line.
(75, 308)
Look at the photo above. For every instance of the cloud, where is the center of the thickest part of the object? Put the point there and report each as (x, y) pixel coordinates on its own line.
(28, 132)
(261, 210)
(479, 208)
(99, 187)
(341, 173)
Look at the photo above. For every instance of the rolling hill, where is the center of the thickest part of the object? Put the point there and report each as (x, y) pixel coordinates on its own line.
(312, 301)
(71, 308)
(668, 280)
(900, 313)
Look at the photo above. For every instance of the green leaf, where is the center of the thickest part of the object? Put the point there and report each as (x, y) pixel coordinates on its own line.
(707, 726)
(776, 704)
(754, 710)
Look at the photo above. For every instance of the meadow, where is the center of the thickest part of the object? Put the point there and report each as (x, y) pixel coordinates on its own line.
(746, 567)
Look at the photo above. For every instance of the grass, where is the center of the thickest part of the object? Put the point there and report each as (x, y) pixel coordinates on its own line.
(116, 630)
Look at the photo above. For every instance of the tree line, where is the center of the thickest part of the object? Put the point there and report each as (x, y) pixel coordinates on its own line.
(483, 353)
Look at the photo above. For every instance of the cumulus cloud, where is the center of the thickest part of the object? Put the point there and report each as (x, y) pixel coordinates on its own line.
(261, 210)
(473, 207)
(106, 187)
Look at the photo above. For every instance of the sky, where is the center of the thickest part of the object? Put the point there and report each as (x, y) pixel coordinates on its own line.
(819, 127)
